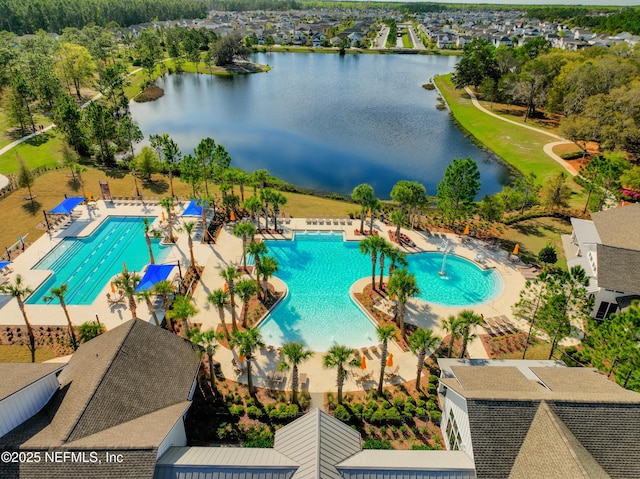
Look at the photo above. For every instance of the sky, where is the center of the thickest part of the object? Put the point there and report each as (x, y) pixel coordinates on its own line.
(626, 3)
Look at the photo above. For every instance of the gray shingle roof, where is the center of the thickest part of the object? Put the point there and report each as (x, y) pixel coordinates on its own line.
(619, 227)
(17, 376)
(115, 393)
(619, 269)
(317, 441)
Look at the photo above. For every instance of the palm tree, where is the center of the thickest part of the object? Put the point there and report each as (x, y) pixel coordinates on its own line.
(230, 275)
(420, 342)
(244, 231)
(257, 249)
(19, 291)
(127, 282)
(294, 353)
(59, 293)
(183, 309)
(167, 203)
(403, 285)
(220, 299)
(253, 205)
(247, 342)
(145, 295)
(147, 228)
(205, 201)
(268, 267)
(384, 250)
(188, 228)
(164, 288)
(384, 334)
(246, 289)
(374, 205)
(453, 326)
(371, 245)
(337, 357)
(362, 194)
(397, 257)
(207, 343)
(277, 200)
(399, 218)
(266, 196)
(468, 320)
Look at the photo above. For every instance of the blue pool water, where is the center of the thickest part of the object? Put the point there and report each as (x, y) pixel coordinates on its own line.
(87, 264)
(319, 269)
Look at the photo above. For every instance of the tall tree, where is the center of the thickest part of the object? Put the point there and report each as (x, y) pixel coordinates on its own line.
(188, 228)
(458, 189)
(453, 326)
(129, 133)
(372, 245)
(204, 153)
(20, 291)
(403, 285)
(146, 295)
(246, 289)
(266, 268)
(163, 289)
(363, 195)
(101, 129)
(207, 343)
(339, 357)
(167, 203)
(384, 333)
(410, 197)
(25, 177)
(293, 354)
(230, 275)
(127, 282)
(183, 309)
(146, 229)
(244, 231)
(75, 66)
(601, 179)
(220, 299)
(468, 323)
(247, 343)
(146, 163)
(556, 193)
(527, 307)
(59, 293)
(229, 48)
(420, 343)
(68, 117)
(477, 63)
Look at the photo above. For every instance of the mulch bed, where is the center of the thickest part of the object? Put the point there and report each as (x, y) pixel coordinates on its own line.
(497, 346)
(55, 338)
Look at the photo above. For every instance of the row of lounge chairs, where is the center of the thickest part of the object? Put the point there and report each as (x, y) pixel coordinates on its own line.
(329, 221)
(499, 326)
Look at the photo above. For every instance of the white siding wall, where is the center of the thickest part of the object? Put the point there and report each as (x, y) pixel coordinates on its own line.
(17, 408)
(604, 295)
(176, 437)
(456, 403)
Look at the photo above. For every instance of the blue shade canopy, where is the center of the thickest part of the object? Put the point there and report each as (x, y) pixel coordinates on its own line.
(4, 263)
(67, 206)
(154, 274)
(194, 208)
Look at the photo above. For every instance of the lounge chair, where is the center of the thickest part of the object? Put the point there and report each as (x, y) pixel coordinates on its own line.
(389, 375)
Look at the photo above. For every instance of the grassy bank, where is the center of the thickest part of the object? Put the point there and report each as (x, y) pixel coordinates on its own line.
(519, 147)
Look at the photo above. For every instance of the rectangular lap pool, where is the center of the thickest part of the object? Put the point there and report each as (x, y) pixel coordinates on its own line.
(87, 264)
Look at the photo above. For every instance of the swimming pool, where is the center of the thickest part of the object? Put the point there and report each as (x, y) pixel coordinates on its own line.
(87, 264)
(319, 269)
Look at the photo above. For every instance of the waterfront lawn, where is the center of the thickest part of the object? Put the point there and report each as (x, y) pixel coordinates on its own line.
(520, 147)
(44, 150)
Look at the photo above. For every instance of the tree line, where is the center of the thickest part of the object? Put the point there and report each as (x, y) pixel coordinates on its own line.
(600, 19)
(22, 17)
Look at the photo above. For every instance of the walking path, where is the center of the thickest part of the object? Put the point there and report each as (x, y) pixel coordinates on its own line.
(548, 148)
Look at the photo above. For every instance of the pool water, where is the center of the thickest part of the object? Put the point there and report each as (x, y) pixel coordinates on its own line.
(87, 264)
(319, 268)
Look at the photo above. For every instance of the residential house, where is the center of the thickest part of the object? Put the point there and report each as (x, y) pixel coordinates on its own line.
(608, 249)
(122, 395)
(524, 419)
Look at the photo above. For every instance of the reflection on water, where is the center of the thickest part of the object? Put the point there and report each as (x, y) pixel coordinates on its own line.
(327, 122)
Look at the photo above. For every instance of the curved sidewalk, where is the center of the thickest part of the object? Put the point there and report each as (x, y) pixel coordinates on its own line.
(548, 148)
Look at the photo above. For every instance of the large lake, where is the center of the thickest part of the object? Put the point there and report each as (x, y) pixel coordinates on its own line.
(323, 121)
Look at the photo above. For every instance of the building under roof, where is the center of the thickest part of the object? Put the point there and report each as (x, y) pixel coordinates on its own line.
(114, 396)
(522, 421)
(608, 249)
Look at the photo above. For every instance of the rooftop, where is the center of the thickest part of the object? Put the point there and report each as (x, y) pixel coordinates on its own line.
(618, 227)
(17, 376)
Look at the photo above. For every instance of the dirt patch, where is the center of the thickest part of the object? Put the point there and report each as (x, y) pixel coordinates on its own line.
(54, 338)
(150, 94)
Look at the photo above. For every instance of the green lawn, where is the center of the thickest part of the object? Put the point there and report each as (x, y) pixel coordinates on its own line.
(21, 354)
(520, 147)
(406, 41)
(43, 150)
(534, 234)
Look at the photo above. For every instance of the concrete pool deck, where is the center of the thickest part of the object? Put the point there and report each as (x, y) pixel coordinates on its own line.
(227, 251)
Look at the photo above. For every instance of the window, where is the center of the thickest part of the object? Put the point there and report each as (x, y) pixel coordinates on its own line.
(453, 434)
(605, 309)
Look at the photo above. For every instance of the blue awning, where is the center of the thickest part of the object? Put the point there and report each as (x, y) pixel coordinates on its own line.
(154, 274)
(67, 206)
(194, 208)
(3, 264)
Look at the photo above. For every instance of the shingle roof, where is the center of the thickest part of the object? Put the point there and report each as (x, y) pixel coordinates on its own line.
(619, 269)
(116, 393)
(17, 376)
(619, 227)
(317, 441)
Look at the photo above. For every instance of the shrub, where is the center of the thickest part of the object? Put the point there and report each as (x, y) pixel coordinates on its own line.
(251, 402)
(255, 412)
(432, 388)
(367, 413)
(435, 416)
(284, 413)
(384, 404)
(398, 402)
(378, 417)
(258, 437)
(342, 414)
(357, 409)
(260, 442)
(410, 400)
(372, 404)
(421, 403)
(431, 405)
(433, 379)
(376, 444)
(421, 413)
(393, 415)
(237, 410)
(422, 447)
(409, 409)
